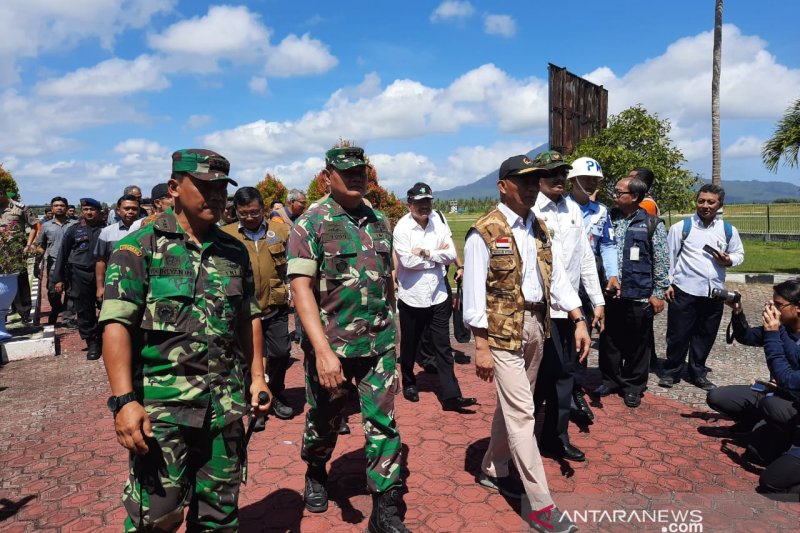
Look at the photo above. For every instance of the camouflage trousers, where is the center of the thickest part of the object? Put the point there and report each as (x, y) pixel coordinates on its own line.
(378, 383)
(195, 466)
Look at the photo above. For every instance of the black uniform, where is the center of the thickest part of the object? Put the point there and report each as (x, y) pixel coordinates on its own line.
(75, 268)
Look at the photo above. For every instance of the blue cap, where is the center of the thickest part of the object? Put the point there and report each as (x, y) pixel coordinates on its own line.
(91, 202)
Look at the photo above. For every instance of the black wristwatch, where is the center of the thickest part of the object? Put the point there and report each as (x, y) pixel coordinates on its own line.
(576, 321)
(115, 403)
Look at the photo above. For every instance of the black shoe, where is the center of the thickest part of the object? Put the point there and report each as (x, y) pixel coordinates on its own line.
(344, 429)
(603, 390)
(458, 403)
(260, 425)
(633, 399)
(507, 486)
(552, 521)
(385, 517)
(461, 359)
(315, 495)
(561, 450)
(704, 384)
(666, 381)
(280, 409)
(411, 393)
(94, 351)
(584, 412)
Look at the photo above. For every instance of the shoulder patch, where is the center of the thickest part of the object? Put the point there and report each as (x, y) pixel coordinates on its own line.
(132, 249)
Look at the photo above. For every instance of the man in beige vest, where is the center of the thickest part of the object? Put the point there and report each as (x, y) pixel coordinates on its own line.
(511, 279)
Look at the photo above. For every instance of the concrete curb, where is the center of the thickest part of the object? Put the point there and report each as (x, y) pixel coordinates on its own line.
(769, 279)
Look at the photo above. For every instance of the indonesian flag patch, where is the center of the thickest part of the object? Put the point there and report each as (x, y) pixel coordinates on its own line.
(502, 242)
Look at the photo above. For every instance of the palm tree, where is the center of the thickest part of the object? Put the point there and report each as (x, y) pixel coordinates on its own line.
(785, 142)
(716, 162)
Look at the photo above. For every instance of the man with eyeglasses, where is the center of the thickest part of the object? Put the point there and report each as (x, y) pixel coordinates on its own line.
(162, 201)
(266, 243)
(340, 267)
(636, 295)
(701, 248)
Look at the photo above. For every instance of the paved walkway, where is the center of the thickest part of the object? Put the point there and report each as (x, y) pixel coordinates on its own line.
(61, 468)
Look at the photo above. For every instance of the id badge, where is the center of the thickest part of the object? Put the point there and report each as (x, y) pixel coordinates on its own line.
(634, 253)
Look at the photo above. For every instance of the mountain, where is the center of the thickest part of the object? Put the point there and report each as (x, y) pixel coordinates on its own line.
(485, 186)
(736, 191)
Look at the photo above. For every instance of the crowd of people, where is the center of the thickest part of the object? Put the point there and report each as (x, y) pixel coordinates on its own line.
(195, 294)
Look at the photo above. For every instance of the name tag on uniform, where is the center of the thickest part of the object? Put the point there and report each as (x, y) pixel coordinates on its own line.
(634, 253)
(500, 251)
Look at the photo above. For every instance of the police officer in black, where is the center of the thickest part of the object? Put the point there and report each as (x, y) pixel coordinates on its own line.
(75, 269)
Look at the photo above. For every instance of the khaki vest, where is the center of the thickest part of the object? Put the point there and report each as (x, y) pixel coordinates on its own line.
(505, 304)
(269, 263)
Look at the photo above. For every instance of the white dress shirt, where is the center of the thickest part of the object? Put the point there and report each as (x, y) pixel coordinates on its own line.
(476, 267)
(565, 222)
(422, 281)
(695, 272)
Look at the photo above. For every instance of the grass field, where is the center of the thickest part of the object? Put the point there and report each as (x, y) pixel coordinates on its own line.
(759, 256)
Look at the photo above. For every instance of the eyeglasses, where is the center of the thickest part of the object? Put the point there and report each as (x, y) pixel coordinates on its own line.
(301, 202)
(779, 306)
(251, 214)
(617, 194)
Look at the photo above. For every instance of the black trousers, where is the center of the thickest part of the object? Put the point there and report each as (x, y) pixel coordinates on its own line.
(692, 324)
(427, 351)
(278, 346)
(413, 322)
(747, 406)
(783, 475)
(55, 299)
(556, 379)
(625, 345)
(22, 301)
(83, 292)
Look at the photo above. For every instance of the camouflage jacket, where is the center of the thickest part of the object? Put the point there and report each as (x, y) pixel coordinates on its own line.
(17, 216)
(183, 303)
(349, 255)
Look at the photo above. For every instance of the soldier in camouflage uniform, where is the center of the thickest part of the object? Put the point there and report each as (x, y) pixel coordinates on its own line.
(15, 217)
(340, 268)
(180, 318)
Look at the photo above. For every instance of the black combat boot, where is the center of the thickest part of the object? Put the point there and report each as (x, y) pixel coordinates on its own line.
(315, 495)
(385, 517)
(94, 350)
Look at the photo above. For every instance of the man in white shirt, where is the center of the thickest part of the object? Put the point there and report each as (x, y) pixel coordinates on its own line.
(511, 278)
(424, 247)
(556, 379)
(700, 249)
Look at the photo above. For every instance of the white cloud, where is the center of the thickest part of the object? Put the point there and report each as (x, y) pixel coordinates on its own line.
(31, 28)
(399, 171)
(258, 85)
(224, 32)
(452, 9)
(113, 77)
(503, 25)
(299, 56)
(473, 162)
(747, 146)
(197, 121)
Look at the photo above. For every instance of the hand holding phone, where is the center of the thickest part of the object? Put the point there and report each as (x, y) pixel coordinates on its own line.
(710, 249)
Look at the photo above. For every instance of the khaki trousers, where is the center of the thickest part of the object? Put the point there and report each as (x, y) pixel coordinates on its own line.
(513, 424)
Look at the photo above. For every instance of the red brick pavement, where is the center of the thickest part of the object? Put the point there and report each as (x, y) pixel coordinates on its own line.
(61, 468)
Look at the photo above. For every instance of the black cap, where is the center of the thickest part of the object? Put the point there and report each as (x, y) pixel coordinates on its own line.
(518, 165)
(419, 191)
(159, 191)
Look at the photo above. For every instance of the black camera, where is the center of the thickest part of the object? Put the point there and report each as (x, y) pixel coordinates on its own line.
(731, 297)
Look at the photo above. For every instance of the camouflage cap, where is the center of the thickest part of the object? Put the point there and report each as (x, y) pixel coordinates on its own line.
(202, 164)
(344, 158)
(551, 160)
(518, 165)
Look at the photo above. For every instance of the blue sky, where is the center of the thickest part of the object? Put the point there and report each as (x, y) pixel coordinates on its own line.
(96, 94)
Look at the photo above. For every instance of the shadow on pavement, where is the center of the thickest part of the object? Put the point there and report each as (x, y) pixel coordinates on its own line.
(9, 508)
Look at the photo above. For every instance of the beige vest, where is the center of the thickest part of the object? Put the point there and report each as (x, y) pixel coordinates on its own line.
(505, 304)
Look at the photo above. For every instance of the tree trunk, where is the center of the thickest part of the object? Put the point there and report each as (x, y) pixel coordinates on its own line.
(716, 162)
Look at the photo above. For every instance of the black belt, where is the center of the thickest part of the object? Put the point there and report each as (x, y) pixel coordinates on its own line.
(535, 307)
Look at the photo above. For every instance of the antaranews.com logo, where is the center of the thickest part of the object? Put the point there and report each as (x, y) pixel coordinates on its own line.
(671, 521)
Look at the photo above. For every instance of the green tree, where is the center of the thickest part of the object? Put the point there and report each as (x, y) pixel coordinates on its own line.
(272, 190)
(636, 138)
(785, 142)
(7, 182)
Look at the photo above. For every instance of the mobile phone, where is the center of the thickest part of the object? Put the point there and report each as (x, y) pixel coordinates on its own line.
(758, 387)
(710, 249)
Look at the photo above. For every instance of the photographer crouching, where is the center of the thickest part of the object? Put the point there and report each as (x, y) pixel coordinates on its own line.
(777, 401)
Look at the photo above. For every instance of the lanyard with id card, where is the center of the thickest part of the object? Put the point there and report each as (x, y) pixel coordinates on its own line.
(634, 253)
